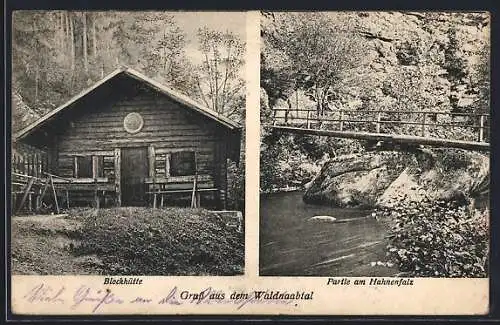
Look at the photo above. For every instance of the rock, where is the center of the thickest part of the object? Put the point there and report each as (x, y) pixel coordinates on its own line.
(323, 218)
(308, 184)
(89, 260)
(385, 179)
(405, 183)
(355, 180)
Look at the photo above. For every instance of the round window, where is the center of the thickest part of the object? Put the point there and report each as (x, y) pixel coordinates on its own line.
(133, 122)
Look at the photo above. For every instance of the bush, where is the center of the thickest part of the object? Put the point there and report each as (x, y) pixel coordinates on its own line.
(292, 160)
(315, 147)
(171, 241)
(439, 239)
(454, 159)
(236, 185)
(275, 148)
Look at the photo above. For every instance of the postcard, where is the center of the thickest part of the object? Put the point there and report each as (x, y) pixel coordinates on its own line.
(249, 163)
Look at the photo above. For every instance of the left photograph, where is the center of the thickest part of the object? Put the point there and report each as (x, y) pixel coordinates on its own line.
(127, 133)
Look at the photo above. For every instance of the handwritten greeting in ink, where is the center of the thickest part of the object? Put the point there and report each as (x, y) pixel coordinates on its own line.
(96, 299)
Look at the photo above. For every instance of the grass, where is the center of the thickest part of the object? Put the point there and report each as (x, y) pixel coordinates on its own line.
(43, 245)
(126, 241)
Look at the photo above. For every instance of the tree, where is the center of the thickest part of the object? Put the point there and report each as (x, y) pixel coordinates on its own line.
(34, 57)
(58, 53)
(313, 52)
(166, 59)
(218, 78)
(481, 80)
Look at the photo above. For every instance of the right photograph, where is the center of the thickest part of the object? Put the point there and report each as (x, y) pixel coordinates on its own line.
(375, 144)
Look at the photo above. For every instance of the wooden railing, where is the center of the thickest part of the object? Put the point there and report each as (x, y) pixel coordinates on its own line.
(29, 163)
(460, 126)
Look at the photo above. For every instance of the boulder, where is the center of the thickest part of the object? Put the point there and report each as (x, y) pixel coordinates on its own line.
(323, 218)
(385, 178)
(355, 180)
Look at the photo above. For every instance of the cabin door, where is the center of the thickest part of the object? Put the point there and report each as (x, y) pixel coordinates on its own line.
(134, 171)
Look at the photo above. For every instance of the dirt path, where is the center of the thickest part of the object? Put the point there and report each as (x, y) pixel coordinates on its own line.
(43, 244)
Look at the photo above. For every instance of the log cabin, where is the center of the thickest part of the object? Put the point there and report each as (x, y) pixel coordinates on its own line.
(132, 141)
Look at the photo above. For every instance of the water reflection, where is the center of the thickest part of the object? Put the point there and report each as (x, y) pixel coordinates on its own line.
(292, 244)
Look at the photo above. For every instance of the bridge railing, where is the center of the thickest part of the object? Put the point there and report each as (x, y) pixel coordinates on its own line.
(456, 126)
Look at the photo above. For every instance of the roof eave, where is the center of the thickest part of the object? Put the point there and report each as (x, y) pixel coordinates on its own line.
(39, 122)
(183, 99)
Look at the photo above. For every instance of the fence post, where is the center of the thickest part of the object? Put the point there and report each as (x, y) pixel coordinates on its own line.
(274, 117)
(36, 165)
(29, 159)
(481, 128)
(286, 116)
(45, 162)
(423, 126)
(33, 164)
(22, 164)
(307, 119)
(341, 120)
(379, 116)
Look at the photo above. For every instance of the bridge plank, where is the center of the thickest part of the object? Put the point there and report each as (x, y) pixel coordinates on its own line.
(400, 139)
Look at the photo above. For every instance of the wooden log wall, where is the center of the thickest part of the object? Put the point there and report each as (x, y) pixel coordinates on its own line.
(168, 128)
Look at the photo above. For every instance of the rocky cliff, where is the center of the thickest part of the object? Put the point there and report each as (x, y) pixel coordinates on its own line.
(411, 60)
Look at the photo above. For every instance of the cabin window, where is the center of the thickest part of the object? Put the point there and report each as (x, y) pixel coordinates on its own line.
(83, 167)
(89, 166)
(182, 163)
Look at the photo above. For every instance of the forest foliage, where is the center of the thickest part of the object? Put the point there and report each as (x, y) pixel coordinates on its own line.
(362, 61)
(403, 61)
(438, 239)
(56, 54)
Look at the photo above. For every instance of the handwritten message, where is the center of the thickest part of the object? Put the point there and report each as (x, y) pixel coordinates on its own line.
(95, 299)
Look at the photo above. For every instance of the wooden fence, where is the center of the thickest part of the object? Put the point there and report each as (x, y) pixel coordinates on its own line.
(416, 123)
(29, 161)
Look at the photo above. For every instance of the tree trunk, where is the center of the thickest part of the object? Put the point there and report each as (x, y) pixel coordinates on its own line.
(317, 98)
(226, 76)
(37, 77)
(66, 22)
(209, 75)
(84, 37)
(72, 48)
(216, 68)
(60, 28)
(72, 42)
(94, 35)
(37, 63)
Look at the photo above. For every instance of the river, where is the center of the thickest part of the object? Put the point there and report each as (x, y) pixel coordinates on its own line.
(293, 245)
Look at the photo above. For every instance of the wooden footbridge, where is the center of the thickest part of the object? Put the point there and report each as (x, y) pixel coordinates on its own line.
(439, 129)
